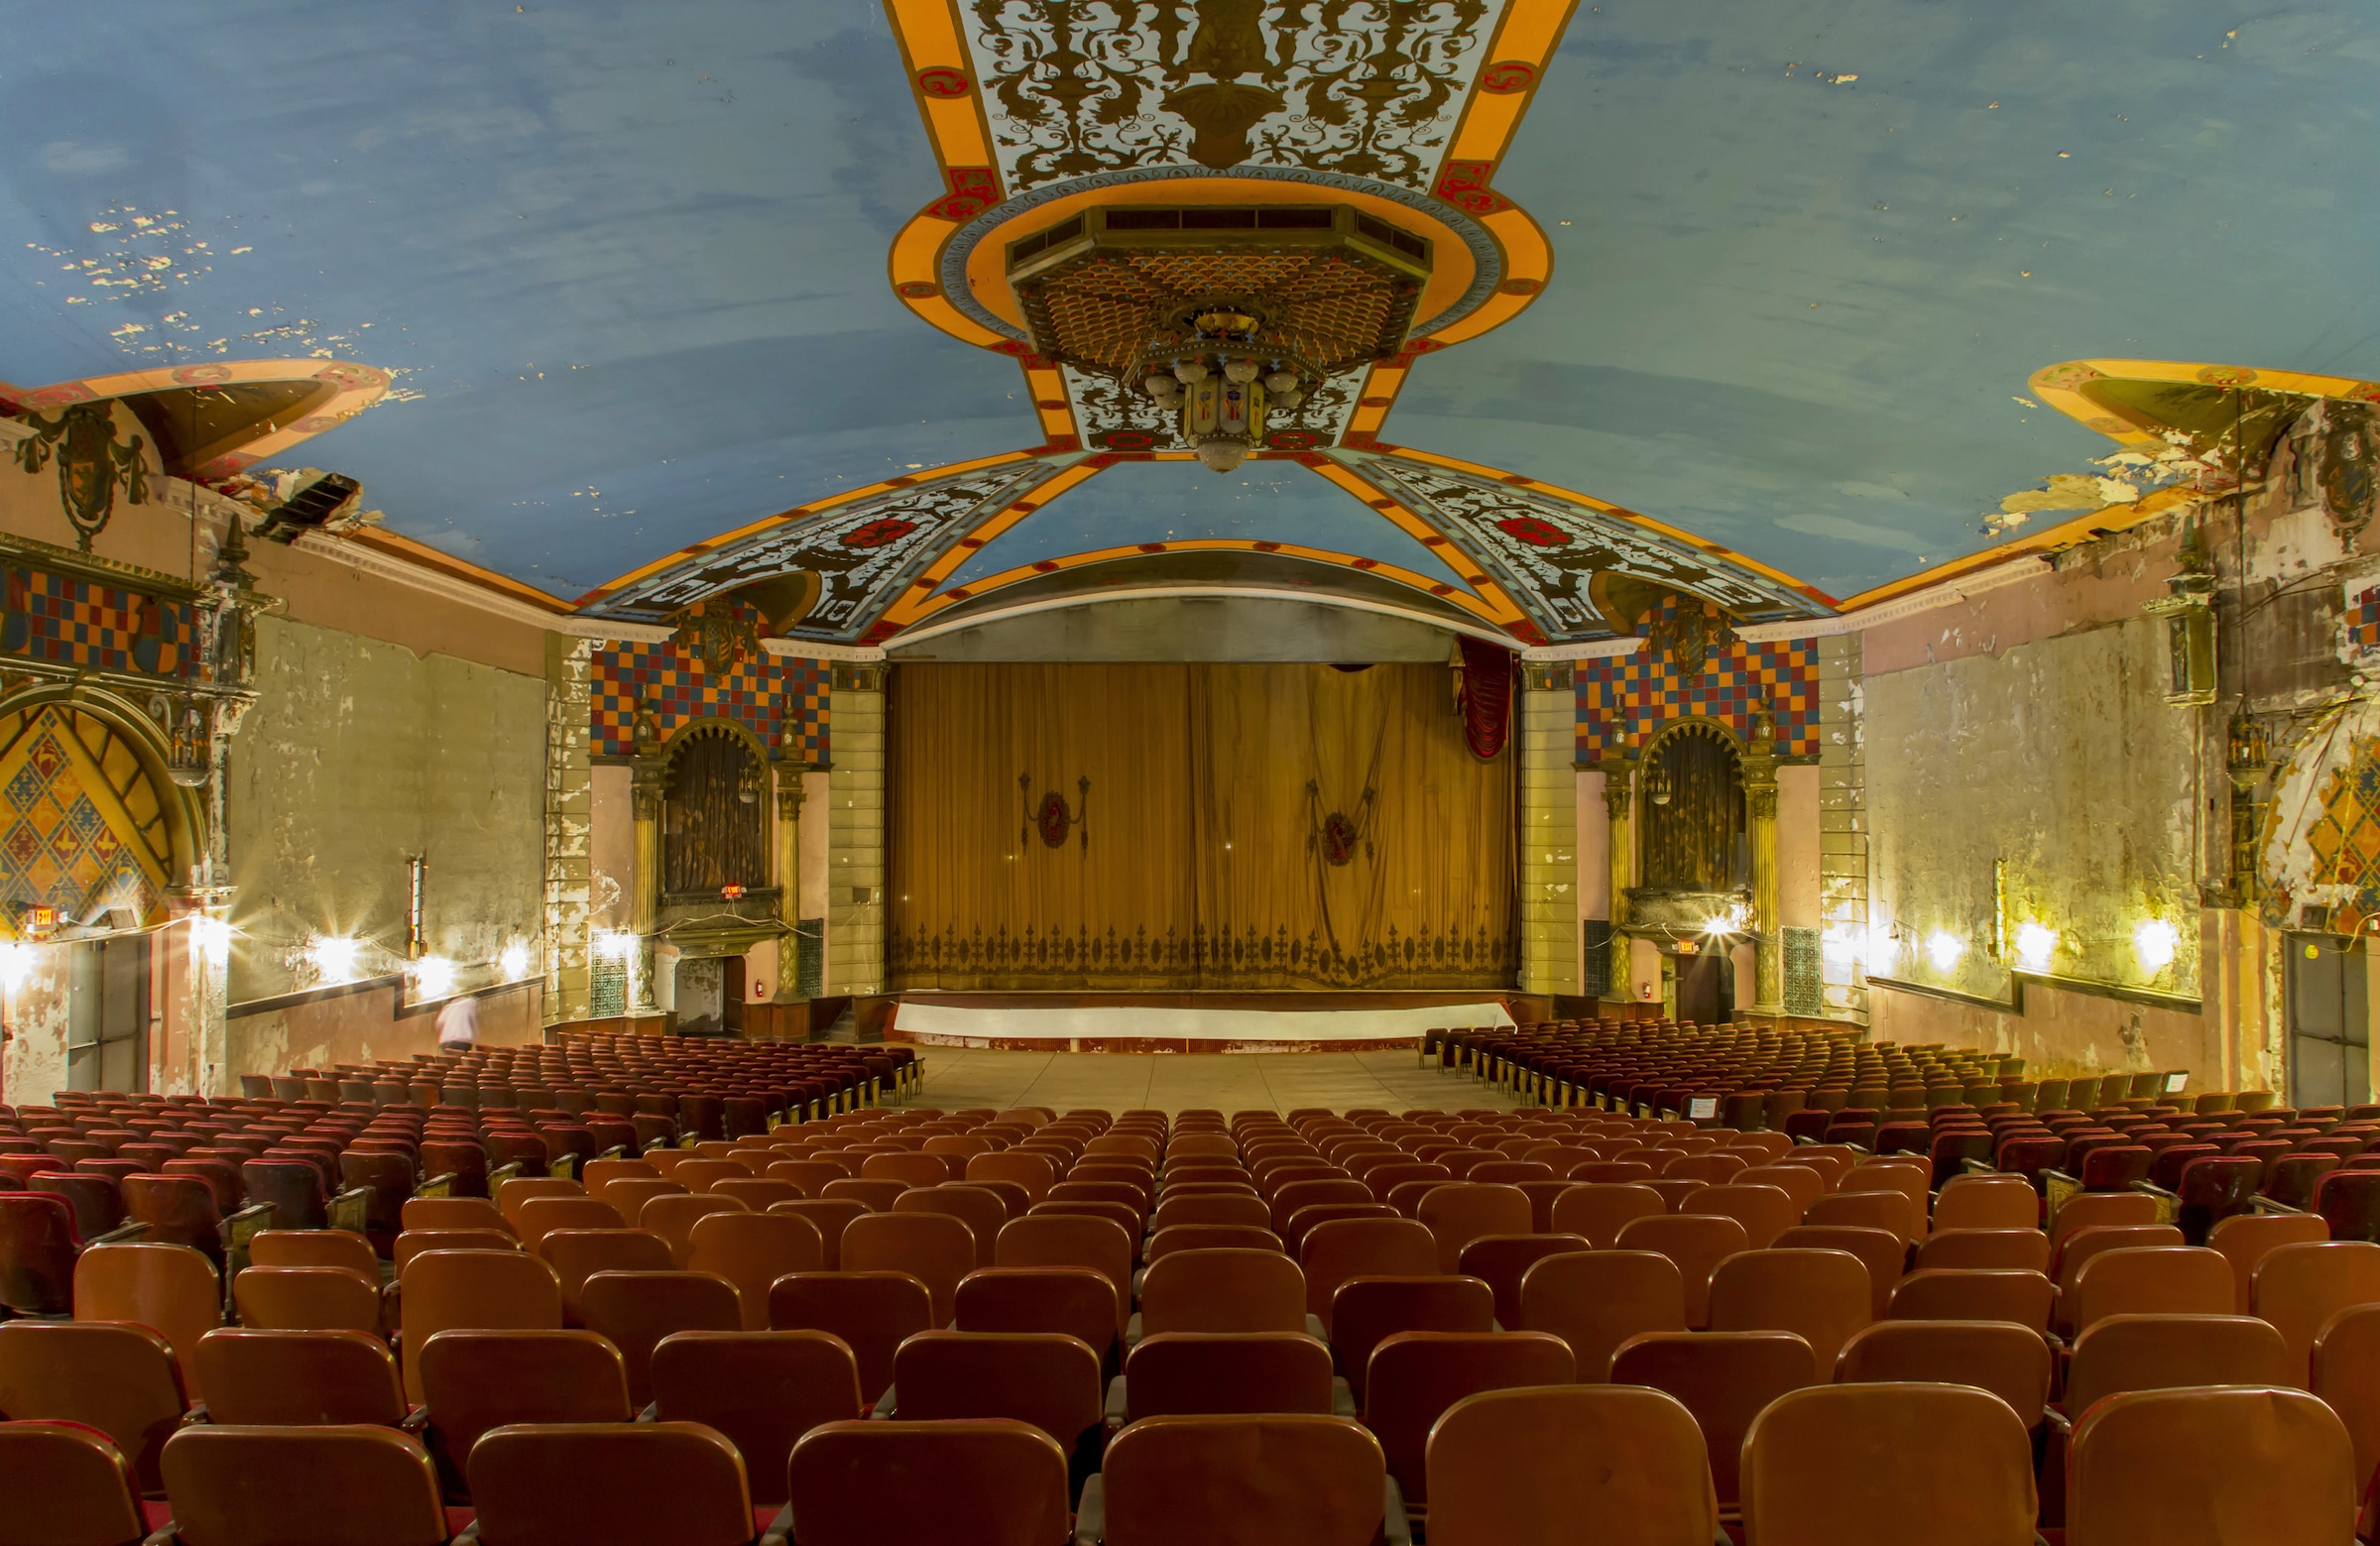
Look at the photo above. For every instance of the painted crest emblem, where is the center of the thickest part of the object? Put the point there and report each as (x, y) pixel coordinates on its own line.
(90, 464)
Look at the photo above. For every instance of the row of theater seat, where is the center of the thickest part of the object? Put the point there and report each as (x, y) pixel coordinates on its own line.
(796, 1074)
(1302, 1292)
(209, 1173)
(1752, 1077)
(2209, 1156)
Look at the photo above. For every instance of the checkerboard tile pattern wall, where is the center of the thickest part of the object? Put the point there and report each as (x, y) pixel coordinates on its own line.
(1623, 700)
(782, 699)
(2363, 621)
(50, 617)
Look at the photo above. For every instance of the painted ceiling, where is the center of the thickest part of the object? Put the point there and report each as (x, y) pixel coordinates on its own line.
(633, 302)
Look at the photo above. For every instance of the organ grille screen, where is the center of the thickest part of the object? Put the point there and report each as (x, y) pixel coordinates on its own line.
(712, 835)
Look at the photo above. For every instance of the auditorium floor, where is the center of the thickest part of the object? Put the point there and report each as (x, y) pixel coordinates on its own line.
(956, 1077)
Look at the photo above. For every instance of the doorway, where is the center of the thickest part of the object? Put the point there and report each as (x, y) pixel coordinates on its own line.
(2329, 1028)
(1705, 988)
(107, 1014)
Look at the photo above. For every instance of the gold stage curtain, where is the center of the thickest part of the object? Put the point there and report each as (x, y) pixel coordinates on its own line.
(1245, 827)
(978, 900)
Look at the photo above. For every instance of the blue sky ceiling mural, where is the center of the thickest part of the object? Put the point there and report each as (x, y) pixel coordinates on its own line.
(1753, 291)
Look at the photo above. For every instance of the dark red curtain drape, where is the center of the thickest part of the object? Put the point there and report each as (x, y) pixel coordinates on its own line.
(1486, 696)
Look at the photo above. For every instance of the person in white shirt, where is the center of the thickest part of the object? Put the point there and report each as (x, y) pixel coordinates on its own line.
(458, 1023)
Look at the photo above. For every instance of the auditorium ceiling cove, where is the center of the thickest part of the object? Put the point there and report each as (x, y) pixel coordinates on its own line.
(1511, 314)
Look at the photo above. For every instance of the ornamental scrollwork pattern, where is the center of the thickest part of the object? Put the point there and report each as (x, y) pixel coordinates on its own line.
(1371, 89)
(1248, 956)
(863, 553)
(1547, 550)
(1114, 415)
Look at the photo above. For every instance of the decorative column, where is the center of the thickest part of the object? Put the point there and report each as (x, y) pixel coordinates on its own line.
(1619, 782)
(1760, 804)
(1549, 830)
(788, 863)
(855, 853)
(569, 823)
(1841, 827)
(645, 913)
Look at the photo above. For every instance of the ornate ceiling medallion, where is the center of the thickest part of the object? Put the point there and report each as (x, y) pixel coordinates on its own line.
(1221, 315)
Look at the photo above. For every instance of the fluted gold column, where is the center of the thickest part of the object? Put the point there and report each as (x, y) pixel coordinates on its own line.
(644, 911)
(1619, 782)
(1760, 804)
(787, 850)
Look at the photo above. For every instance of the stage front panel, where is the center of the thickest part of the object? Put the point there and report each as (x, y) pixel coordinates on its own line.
(1182, 827)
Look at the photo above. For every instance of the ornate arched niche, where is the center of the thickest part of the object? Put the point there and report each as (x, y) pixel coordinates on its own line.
(92, 827)
(714, 812)
(1694, 858)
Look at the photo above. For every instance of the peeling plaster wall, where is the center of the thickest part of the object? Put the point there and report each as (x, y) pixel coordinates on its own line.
(2061, 758)
(361, 1026)
(314, 588)
(1797, 846)
(358, 755)
(612, 848)
(2028, 724)
(33, 1065)
(2060, 1033)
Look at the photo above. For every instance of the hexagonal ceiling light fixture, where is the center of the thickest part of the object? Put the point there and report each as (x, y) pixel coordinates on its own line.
(1224, 315)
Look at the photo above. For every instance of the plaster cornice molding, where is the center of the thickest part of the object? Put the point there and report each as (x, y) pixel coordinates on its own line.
(1593, 649)
(1948, 594)
(388, 566)
(819, 650)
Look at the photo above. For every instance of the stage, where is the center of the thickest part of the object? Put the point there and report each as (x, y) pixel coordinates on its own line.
(1187, 1022)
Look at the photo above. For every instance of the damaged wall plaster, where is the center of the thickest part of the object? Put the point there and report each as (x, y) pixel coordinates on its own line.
(358, 755)
(2061, 758)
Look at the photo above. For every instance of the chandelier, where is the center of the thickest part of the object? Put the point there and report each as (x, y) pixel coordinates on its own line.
(1216, 377)
(1225, 318)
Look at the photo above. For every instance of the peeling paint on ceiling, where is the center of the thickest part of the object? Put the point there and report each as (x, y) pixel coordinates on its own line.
(628, 263)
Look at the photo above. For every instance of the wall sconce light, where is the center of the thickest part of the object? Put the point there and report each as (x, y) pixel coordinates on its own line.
(2035, 944)
(336, 960)
(512, 962)
(1944, 949)
(614, 944)
(2155, 942)
(15, 964)
(212, 936)
(433, 978)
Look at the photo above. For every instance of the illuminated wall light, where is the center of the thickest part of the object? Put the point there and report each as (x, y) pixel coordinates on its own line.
(15, 964)
(336, 960)
(512, 962)
(1944, 949)
(212, 936)
(2035, 944)
(2155, 942)
(615, 944)
(434, 977)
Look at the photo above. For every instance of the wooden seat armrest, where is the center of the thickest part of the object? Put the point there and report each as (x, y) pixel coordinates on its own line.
(1091, 1515)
